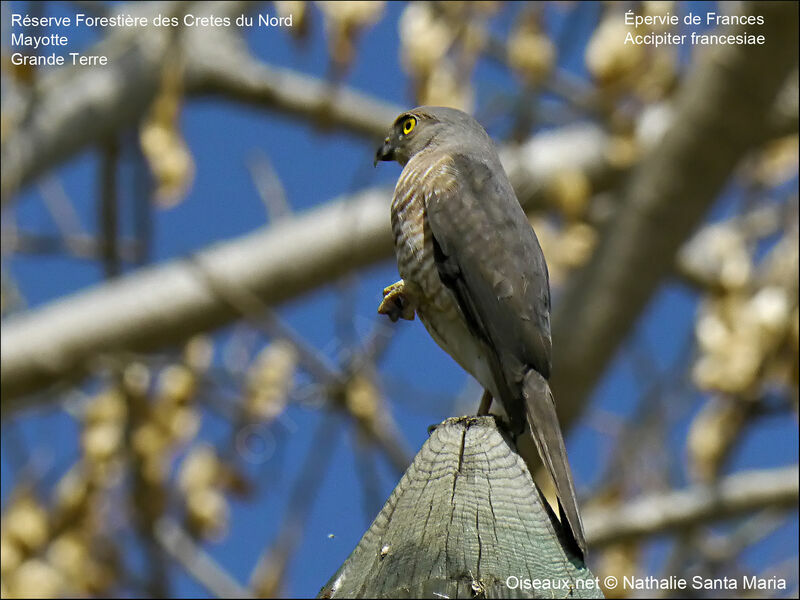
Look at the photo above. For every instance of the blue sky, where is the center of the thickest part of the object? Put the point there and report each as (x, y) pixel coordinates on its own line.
(315, 167)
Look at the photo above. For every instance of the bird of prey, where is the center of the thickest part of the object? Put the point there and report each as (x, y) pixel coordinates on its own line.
(473, 270)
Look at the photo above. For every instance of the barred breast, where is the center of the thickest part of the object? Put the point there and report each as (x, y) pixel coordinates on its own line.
(437, 306)
(413, 239)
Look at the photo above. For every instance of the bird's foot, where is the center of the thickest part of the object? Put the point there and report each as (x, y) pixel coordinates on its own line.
(396, 303)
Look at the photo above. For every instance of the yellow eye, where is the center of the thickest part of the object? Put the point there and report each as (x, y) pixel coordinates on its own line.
(408, 125)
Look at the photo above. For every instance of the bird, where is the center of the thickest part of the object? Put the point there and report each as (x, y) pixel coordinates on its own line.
(472, 269)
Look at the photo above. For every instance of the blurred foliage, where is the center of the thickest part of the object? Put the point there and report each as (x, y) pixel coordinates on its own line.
(162, 143)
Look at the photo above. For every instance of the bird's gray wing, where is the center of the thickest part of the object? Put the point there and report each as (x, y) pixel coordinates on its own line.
(487, 253)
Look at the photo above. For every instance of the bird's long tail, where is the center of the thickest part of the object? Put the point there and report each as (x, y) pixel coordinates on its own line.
(546, 433)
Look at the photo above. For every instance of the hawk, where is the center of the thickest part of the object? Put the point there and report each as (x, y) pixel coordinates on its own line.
(473, 270)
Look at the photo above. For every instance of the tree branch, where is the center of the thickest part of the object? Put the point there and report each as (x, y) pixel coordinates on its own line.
(181, 547)
(223, 66)
(160, 306)
(679, 510)
(667, 196)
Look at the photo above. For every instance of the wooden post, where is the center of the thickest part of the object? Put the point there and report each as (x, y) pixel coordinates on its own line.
(465, 521)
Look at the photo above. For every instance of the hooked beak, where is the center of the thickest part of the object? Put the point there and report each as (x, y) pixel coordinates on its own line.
(385, 152)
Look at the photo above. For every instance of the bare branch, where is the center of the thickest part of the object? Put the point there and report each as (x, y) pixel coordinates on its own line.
(224, 67)
(180, 546)
(160, 306)
(60, 207)
(679, 510)
(269, 186)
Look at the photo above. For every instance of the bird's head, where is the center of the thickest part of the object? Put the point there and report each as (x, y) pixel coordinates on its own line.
(427, 127)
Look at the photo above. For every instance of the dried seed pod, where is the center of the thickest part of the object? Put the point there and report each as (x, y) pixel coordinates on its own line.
(162, 143)
(136, 379)
(362, 397)
(183, 423)
(108, 406)
(149, 439)
(200, 469)
(101, 441)
(771, 313)
(198, 353)
(72, 491)
(11, 555)
(608, 58)
(446, 86)
(298, 11)
(622, 150)
(26, 522)
(36, 578)
(619, 561)
(177, 384)
(719, 254)
(344, 21)
(570, 190)
(69, 554)
(270, 380)
(777, 163)
(530, 52)
(711, 435)
(425, 38)
(576, 245)
(207, 512)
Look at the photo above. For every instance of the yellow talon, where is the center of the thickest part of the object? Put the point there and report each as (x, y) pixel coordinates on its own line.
(396, 304)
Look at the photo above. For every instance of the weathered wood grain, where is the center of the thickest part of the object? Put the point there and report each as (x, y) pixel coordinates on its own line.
(465, 518)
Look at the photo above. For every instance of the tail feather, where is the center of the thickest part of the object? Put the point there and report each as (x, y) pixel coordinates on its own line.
(546, 433)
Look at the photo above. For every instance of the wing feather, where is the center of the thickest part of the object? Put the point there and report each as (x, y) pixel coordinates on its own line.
(488, 254)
